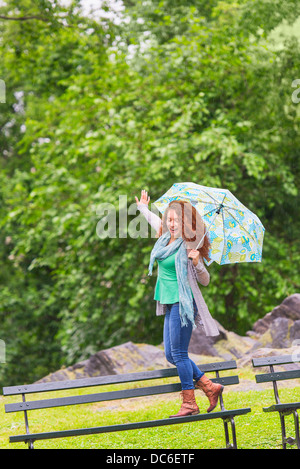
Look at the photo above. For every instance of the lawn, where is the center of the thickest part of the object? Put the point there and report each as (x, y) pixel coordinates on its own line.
(255, 430)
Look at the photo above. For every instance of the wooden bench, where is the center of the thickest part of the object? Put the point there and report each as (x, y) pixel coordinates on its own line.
(283, 409)
(25, 406)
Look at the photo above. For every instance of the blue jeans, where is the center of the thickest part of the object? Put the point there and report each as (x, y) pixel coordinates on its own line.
(176, 343)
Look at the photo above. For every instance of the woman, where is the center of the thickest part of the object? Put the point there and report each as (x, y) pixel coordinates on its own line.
(178, 296)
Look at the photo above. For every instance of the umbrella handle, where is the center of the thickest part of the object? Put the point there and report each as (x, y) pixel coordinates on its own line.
(217, 213)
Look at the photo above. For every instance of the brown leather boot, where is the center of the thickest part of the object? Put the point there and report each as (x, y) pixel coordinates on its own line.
(211, 390)
(189, 404)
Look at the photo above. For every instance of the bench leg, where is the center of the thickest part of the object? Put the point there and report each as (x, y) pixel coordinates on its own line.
(229, 445)
(290, 440)
(296, 421)
(30, 442)
(283, 433)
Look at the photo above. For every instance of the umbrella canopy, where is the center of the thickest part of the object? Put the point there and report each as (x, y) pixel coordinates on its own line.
(236, 234)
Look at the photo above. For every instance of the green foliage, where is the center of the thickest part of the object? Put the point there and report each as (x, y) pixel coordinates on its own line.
(195, 92)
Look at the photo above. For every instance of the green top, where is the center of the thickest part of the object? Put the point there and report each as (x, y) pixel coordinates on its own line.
(166, 289)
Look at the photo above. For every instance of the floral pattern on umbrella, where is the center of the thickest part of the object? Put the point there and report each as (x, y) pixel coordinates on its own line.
(236, 234)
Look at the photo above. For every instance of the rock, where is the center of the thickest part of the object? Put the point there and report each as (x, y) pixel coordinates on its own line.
(295, 331)
(227, 345)
(278, 329)
(202, 345)
(125, 358)
(234, 346)
(278, 333)
(246, 360)
(289, 309)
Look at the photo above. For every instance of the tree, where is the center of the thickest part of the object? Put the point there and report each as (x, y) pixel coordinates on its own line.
(38, 57)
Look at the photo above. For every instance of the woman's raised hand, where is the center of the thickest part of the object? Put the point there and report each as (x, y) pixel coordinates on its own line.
(144, 198)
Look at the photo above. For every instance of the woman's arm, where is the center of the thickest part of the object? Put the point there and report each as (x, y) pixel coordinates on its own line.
(203, 276)
(142, 205)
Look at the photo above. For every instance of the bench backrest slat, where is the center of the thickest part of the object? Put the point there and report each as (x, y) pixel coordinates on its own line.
(111, 379)
(106, 396)
(277, 376)
(277, 360)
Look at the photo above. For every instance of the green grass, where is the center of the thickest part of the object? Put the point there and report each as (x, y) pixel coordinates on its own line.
(255, 430)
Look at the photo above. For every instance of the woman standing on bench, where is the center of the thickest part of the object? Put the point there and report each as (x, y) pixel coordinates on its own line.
(177, 293)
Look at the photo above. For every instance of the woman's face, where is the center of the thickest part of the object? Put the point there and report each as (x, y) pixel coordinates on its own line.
(173, 224)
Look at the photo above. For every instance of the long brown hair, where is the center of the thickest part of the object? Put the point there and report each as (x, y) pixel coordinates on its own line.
(192, 225)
